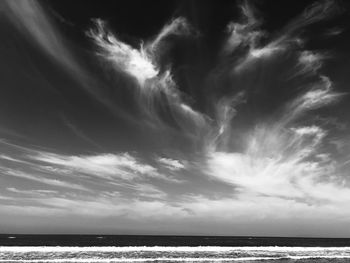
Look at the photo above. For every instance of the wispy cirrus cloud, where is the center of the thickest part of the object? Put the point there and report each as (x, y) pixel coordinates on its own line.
(125, 58)
(171, 164)
(276, 163)
(156, 88)
(310, 61)
(35, 192)
(122, 166)
(81, 172)
(31, 18)
(284, 155)
(319, 94)
(33, 21)
(179, 27)
(42, 179)
(273, 156)
(246, 38)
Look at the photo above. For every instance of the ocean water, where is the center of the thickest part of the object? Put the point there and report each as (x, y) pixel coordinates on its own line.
(171, 249)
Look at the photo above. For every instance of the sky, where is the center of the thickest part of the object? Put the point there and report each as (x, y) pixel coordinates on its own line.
(183, 117)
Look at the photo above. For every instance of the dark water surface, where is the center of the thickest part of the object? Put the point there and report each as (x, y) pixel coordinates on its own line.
(139, 240)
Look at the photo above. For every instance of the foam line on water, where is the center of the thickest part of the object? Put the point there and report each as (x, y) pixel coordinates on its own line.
(24, 249)
(110, 260)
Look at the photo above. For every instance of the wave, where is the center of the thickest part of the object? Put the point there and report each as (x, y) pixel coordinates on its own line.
(110, 254)
(167, 249)
(111, 260)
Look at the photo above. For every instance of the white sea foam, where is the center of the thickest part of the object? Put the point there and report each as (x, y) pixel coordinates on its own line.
(168, 249)
(208, 259)
(167, 254)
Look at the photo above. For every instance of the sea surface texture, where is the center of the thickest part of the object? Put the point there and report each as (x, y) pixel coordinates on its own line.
(170, 249)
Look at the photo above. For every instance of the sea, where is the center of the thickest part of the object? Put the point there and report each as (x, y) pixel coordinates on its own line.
(112, 248)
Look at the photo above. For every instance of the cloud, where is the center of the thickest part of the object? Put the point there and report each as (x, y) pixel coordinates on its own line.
(250, 52)
(259, 146)
(98, 207)
(171, 164)
(176, 27)
(333, 31)
(141, 62)
(59, 174)
(42, 179)
(276, 157)
(243, 34)
(33, 192)
(31, 18)
(284, 155)
(279, 158)
(280, 162)
(136, 63)
(78, 132)
(316, 12)
(33, 21)
(244, 40)
(310, 61)
(199, 119)
(220, 133)
(252, 43)
(156, 89)
(149, 191)
(251, 212)
(109, 166)
(319, 95)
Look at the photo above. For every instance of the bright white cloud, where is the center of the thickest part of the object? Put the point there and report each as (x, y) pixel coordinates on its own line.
(143, 65)
(136, 63)
(171, 164)
(279, 162)
(264, 52)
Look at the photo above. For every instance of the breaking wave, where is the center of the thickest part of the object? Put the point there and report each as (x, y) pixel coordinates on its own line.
(168, 249)
(169, 254)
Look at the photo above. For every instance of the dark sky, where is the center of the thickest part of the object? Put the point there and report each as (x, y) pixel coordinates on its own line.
(175, 117)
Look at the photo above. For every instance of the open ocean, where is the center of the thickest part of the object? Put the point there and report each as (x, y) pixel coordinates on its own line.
(90, 248)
